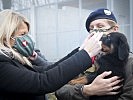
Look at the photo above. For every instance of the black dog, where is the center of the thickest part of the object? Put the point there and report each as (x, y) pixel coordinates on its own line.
(116, 50)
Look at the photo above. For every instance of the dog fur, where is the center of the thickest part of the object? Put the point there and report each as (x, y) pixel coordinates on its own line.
(115, 51)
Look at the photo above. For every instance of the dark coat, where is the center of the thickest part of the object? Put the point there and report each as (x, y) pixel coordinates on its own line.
(21, 82)
(127, 93)
(74, 92)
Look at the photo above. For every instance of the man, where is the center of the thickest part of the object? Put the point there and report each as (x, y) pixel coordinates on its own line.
(101, 20)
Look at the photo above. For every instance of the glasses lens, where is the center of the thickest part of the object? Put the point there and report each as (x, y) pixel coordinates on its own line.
(101, 30)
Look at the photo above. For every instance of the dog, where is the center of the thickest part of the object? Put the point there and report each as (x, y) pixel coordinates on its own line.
(114, 55)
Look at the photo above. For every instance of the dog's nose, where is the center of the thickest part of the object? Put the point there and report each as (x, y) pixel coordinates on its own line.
(106, 40)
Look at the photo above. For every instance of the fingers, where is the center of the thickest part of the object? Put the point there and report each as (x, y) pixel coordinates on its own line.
(112, 93)
(34, 56)
(97, 36)
(85, 41)
(114, 80)
(104, 74)
(90, 35)
(100, 43)
(117, 87)
(92, 45)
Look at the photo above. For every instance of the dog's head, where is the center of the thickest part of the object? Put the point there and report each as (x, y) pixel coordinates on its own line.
(115, 42)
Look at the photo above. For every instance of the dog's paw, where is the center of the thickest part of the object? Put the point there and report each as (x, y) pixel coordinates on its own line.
(80, 80)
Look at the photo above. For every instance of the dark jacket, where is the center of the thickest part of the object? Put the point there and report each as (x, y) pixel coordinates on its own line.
(69, 92)
(21, 82)
(127, 93)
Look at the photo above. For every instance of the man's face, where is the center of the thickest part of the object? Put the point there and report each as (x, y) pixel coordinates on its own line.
(101, 25)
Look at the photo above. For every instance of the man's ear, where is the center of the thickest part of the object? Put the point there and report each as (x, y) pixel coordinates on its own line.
(115, 28)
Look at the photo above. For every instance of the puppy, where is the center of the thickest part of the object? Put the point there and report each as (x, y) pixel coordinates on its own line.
(114, 55)
(115, 51)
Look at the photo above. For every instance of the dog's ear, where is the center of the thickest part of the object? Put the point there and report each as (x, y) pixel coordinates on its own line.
(123, 48)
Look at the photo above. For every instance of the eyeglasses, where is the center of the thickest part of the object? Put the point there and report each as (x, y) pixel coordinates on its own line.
(101, 30)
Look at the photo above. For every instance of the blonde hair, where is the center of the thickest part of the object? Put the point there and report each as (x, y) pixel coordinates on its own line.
(9, 23)
(111, 22)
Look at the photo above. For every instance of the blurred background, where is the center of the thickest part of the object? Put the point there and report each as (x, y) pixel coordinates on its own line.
(58, 26)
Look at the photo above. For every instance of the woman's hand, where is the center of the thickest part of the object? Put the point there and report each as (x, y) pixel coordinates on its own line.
(101, 86)
(85, 41)
(34, 56)
(92, 45)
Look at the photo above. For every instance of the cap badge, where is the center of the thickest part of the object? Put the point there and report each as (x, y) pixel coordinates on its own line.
(24, 43)
(107, 12)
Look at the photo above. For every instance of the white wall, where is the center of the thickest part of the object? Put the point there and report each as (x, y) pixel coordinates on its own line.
(58, 31)
(122, 12)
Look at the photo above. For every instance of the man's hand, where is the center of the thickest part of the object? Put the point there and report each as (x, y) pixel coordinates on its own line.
(101, 86)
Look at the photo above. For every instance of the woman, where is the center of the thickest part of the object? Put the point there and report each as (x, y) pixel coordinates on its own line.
(19, 79)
